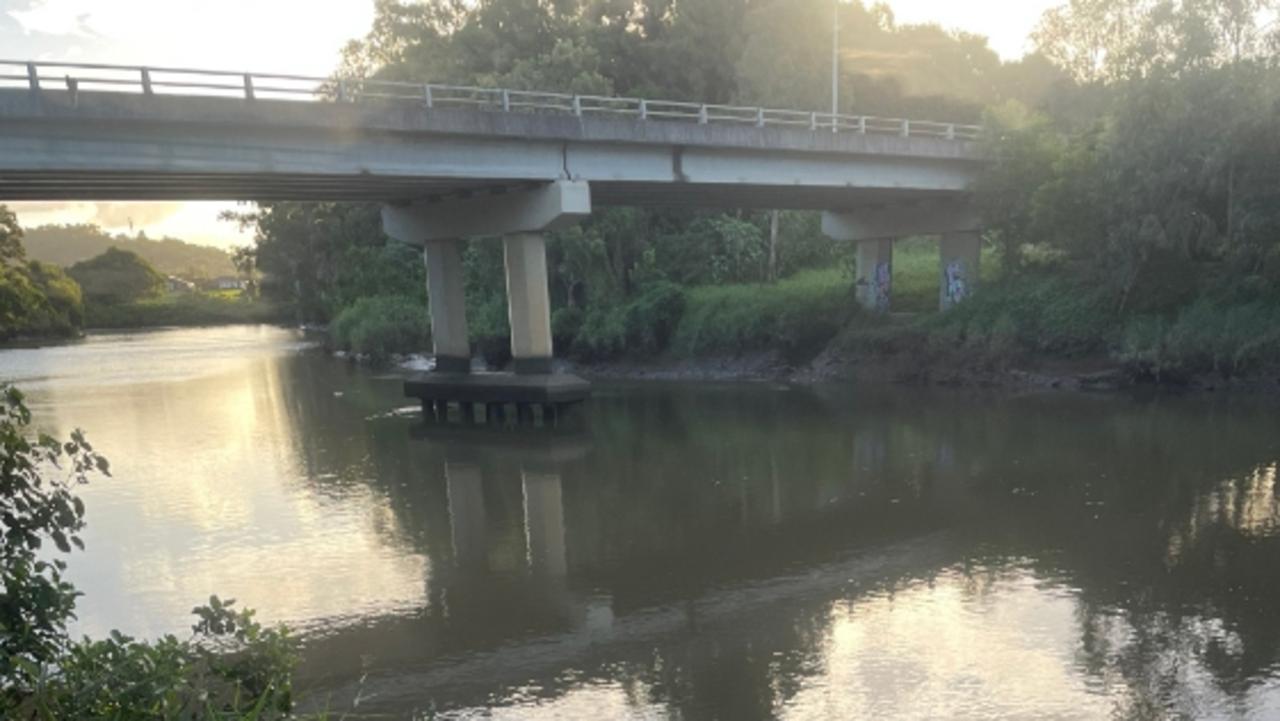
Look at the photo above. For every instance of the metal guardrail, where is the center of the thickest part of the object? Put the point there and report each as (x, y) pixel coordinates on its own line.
(76, 77)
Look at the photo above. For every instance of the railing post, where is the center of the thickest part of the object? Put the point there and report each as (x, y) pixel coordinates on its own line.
(644, 109)
(577, 105)
(703, 116)
(813, 121)
(146, 82)
(342, 90)
(248, 87)
(759, 117)
(862, 125)
(33, 77)
(906, 128)
(951, 132)
(426, 94)
(506, 101)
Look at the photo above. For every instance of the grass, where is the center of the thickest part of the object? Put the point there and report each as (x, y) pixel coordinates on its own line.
(917, 273)
(797, 315)
(1206, 336)
(194, 309)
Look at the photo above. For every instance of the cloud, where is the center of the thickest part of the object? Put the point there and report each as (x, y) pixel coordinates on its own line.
(56, 17)
(111, 216)
(118, 215)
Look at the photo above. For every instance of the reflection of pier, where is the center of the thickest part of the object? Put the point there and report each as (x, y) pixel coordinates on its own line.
(539, 455)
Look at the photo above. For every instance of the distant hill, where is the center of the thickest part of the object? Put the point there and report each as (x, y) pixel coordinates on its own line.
(66, 245)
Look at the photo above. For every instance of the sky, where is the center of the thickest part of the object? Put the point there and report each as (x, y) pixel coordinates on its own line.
(245, 35)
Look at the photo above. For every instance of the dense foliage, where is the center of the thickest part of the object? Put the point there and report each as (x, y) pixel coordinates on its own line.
(379, 326)
(231, 667)
(117, 276)
(36, 299)
(186, 309)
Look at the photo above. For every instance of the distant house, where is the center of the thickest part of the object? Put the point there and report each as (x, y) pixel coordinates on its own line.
(174, 284)
(228, 282)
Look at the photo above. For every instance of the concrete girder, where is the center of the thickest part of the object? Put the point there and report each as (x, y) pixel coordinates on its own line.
(899, 221)
(541, 208)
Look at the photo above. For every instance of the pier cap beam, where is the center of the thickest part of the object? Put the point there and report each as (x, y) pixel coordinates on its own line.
(934, 217)
(541, 208)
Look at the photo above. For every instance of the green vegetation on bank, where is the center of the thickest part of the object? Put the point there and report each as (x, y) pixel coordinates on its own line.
(187, 309)
(117, 289)
(382, 325)
(36, 299)
(231, 667)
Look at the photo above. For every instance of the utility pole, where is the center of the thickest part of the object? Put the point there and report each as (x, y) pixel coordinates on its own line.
(835, 64)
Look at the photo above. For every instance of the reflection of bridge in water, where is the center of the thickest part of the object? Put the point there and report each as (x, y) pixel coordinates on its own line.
(737, 522)
(502, 619)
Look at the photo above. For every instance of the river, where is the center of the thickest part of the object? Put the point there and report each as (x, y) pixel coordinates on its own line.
(733, 551)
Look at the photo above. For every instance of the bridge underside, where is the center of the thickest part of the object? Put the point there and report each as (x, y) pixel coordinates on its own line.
(167, 186)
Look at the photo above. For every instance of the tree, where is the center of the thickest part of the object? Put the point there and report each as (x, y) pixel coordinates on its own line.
(245, 259)
(117, 276)
(10, 238)
(36, 299)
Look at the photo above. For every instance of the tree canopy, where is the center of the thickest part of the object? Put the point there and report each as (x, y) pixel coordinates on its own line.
(117, 276)
(35, 298)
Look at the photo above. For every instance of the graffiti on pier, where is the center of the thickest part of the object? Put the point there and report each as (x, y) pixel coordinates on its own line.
(882, 284)
(956, 282)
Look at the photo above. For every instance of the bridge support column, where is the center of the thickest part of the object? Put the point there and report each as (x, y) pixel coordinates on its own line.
(449, 334)
(520, 216)
(528, 305)
(961, 254)
(875, 275)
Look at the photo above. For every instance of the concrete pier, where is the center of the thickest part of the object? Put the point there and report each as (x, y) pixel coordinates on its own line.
(520, 218)
(445, 289)
(874, 229)
(874, 283)
(961, 255)
(528, 305)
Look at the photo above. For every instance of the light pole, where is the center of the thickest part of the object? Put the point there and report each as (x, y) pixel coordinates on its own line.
(835, 63)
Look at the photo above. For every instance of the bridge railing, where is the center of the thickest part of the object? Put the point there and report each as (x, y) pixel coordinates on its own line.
(98, 77)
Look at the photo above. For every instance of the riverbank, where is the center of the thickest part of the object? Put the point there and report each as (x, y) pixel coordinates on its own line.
(188, 310)
(922, 366)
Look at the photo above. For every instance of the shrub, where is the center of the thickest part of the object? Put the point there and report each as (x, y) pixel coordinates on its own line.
(491, 330)
(382, 326)
(1206, 336)
(38, 299)
(641, 326)
(1038, 314)
(232, 666)
(797, 315)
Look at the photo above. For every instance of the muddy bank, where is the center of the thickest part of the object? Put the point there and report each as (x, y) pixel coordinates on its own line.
(1080, 374)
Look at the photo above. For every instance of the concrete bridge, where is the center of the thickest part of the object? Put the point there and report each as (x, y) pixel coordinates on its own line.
(452, 162)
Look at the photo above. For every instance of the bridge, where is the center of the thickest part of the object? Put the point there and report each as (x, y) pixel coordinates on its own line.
(451, 162)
